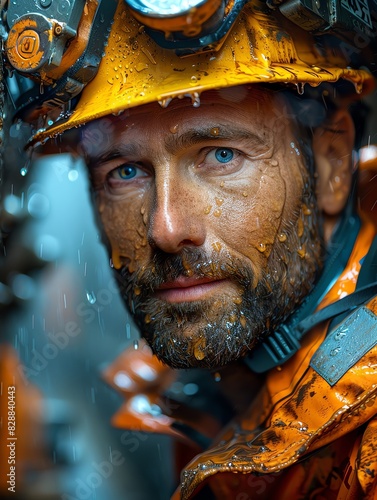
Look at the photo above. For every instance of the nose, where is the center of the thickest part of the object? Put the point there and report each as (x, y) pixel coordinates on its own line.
(175, 220)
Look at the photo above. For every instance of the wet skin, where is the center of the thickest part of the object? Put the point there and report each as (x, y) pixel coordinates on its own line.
(210, 218)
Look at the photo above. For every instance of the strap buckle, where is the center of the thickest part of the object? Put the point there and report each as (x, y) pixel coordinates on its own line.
(275, 350)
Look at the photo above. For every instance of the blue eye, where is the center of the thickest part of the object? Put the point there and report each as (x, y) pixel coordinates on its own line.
(224, 155)
(127, 171)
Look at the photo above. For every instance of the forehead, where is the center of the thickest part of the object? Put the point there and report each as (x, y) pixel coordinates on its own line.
(249, 107)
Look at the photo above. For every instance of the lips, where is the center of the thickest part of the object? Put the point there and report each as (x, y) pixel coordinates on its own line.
(188, 289)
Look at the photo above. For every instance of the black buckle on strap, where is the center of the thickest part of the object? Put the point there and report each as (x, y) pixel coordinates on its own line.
(275, 350)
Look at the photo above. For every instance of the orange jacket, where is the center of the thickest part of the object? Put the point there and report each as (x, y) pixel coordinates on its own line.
(301, 438)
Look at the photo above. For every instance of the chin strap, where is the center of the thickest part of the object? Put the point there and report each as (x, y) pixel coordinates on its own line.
(284, 342)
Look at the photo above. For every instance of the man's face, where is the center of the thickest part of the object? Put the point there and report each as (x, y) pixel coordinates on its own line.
(210, 217)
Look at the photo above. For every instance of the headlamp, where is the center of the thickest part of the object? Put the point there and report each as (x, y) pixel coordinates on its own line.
(187, 26)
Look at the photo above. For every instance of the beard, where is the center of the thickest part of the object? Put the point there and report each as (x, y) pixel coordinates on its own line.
(214, 332)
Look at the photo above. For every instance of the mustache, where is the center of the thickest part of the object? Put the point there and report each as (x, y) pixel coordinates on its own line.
(190, 262)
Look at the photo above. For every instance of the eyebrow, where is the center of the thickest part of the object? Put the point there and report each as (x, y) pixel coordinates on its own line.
(174, 143)
(191, 137)
(131, 149)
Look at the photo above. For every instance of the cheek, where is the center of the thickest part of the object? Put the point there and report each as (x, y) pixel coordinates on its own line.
(251, 214)
(126, 231)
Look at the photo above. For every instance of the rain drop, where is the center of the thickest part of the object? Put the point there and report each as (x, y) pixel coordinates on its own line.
(24, 171)
(128, 331)
(91, 297)
(73, 175)
(136, 345)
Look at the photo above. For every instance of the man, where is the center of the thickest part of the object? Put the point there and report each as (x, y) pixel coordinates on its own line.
(220, 197)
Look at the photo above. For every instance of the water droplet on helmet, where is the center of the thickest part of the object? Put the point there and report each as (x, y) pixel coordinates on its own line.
(164, 103)
(300, 88)
(359, 88)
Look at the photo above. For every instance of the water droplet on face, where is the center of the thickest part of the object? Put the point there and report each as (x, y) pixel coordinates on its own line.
(216, 246)
(219, 201)
(199, 349)
(232, 318)
(207, 209)
(237, 300)
(301, 251)
(243, 321)
(147, 319)
(282, 237)
(136, 345)
(217, 213)
(222, 184)
(274, 163)
(300, 227)
(306, 210)
(137, 290)
(174, 129)
(244, 194)
(91, 297)
(215, 131)
(261, 247)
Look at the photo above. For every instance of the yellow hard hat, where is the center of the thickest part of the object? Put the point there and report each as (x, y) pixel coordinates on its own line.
(262, 47)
